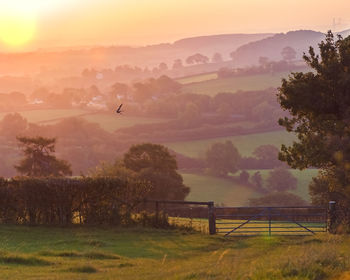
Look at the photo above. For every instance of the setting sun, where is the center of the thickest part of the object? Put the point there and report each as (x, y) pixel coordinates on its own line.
(18, 19)
(16, 31)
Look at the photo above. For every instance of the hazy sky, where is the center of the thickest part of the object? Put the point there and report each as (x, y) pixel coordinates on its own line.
(48, 23)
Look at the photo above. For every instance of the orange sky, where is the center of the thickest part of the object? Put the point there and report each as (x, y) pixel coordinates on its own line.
(51, 23)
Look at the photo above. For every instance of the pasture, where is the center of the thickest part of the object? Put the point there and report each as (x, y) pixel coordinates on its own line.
(245, 83)
(219, 190)
(141, 253)
(197, 78)
(245, 144)
(108, 121)
(48, 115)
(231, 193)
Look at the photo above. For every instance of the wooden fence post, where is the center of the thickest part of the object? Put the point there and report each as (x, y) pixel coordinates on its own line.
(157, 213)
(332, 217)
(211, 217)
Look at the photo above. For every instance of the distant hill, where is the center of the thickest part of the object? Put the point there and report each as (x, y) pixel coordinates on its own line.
(345, 33)
(224, 43)
(271, 47)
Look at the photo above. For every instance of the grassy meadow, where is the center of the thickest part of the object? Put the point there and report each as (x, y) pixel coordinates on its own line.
(245, 83)
(141, 253)
(245, 144)
(197, 78)
(221, 190)
(48, 115)
(108, 121)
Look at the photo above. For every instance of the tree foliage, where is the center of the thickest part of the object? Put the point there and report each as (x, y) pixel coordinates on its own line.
(155, 164)
(39, 160)
(288, 53)
(319, 105)
(223, 158)
(280, 179)
(278, 199)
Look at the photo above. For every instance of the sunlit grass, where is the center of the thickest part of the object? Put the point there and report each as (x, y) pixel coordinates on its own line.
(168, 254)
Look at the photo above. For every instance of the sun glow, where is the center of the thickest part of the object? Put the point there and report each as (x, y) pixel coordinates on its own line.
(18, 19)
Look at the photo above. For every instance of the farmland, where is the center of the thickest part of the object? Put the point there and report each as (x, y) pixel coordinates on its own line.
(108, 121)
(220, 190)
(246, 83)
(141, 253)
(244, 143)
(197, 78)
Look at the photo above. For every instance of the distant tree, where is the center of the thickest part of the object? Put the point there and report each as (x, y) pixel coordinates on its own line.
(39, 160)
(163, 67)
(268, 155)
(154, 163)
(280, 179)
(223, 158)
(197, 59)
(177, 64)
(217, 58)
(244, 176)
(263, 61)
(278, 199)
(288, 53)
(257, 180)
(12, 125)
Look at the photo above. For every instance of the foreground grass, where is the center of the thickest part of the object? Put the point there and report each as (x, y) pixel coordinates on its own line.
(92, 253)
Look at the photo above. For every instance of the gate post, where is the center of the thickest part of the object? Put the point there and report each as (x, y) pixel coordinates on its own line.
(332, 217)
(157, 213)
(211, 218)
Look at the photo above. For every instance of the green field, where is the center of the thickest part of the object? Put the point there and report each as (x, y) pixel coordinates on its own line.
(37, 116)
(112, 122)
(245, 83)
(108, 121)
(141, 253)
(208, 188)
(219, 190)
(197, 78)
(244, 143)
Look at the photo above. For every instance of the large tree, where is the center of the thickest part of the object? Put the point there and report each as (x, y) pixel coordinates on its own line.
(155, 164)
(319, 107)
(39, 160)
(223, 158)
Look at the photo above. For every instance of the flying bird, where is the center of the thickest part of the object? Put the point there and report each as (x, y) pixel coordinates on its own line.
(119, 110)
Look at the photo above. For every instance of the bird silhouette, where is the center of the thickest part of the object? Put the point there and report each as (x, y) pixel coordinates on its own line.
(119, 110)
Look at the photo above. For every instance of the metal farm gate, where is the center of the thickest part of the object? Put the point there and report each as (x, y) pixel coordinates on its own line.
(249, 221)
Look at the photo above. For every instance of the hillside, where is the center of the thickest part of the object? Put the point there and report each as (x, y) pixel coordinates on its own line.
(271, 47)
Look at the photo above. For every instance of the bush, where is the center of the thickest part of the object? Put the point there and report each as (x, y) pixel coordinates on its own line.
(61, 201)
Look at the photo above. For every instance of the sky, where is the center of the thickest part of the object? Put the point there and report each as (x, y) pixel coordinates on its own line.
(32, 24)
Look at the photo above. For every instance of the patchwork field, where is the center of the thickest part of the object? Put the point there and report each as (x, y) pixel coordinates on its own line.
(111, 122)
(141, 253)
(108, 121)
(245, 144)
(234, 84)
(37, 116)
(197, 78)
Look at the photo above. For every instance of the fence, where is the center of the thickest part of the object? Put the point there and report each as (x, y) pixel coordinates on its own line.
(237, 221)
(197, 215)
(247, 221)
